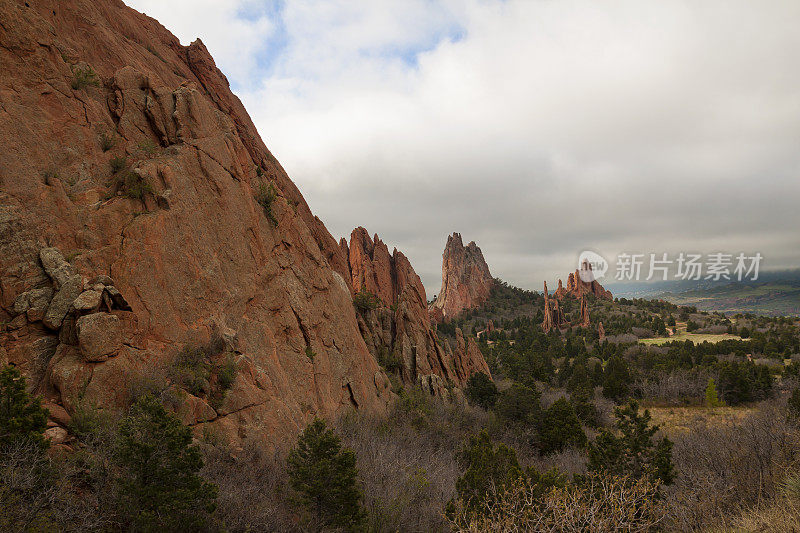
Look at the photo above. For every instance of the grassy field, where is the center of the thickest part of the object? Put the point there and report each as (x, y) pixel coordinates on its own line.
(677, 420)
(682, 335)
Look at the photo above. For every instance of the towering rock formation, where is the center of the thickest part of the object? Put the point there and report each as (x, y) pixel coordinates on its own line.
(577, 287)
(553, 316)
(140, 211)
(466, 281)
(397, 330)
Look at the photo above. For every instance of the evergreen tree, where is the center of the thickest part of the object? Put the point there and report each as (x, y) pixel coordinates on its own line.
(633, 452)
(616, 379)
(481, 390)
(21, 416)
(324, 476)
(711, 394)
(159, 488)
(560, 428)
(519, 403)
(484, 466)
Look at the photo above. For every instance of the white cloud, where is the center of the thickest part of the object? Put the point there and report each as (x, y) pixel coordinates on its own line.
(536, 128)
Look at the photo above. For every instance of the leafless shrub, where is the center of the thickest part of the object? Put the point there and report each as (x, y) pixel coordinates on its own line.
(676, 386)
(724, 468)
(602, 504)
(39, 494)
(252, 489)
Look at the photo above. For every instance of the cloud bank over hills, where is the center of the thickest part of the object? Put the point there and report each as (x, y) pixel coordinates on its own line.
(537, 129)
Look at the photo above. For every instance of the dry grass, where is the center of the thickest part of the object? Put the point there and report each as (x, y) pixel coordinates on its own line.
(680, 420)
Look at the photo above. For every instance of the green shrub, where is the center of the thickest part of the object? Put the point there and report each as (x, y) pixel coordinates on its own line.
(265, 197)
(118, 163)
(310, 353)
(148, 147)
(390, 360)
(481, 390)
(106, 142)
(133, 185)
(90, 422)
(22, 418)
(191, 370)
(323, 475)
(365, 301)
(83, 77)
(519, 403)
(560, 428)
(485, 467)
(226, 374)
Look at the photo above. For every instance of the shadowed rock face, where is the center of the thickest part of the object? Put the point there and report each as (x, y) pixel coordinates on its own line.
(466, 281)
(127, 153)
(398, 330)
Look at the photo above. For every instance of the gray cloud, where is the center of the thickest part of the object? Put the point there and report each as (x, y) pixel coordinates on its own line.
(537, 129)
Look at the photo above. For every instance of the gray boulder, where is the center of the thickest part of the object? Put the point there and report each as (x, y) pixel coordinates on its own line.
(99, 336)
(61, 303)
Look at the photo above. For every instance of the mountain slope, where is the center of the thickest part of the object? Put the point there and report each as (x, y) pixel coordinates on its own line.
(128, 153)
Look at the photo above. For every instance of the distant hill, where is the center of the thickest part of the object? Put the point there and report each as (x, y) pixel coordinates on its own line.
(774, 293)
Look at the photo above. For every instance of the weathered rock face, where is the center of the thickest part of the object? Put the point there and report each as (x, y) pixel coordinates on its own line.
(398, 330)
(466, 281)
(126, 152)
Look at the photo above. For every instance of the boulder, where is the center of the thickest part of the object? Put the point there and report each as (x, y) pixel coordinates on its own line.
(56, 266)
(34, 303)
(61, 303)
(88, 301)
(99, 336)
(56, 435)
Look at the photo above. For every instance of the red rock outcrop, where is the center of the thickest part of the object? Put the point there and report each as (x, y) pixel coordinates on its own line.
(128, 153)
(398, 330)
(577, 287)
(466, 280)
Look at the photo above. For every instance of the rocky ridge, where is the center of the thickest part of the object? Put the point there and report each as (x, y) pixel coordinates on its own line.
(396, 327)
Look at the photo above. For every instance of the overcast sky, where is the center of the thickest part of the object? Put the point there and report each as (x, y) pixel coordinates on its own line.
(536, 128)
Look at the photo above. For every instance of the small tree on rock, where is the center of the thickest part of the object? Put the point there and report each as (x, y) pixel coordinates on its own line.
(324, 476)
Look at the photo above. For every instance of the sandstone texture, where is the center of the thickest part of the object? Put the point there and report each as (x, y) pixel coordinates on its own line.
(128, 168)
(466, 281)
(398, 330)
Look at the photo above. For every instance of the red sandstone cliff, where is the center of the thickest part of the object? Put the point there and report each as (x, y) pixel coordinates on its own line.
(398, 331)
(466, 281)
(130, 226)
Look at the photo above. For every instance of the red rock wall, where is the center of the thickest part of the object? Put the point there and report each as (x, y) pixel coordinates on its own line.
(195, 256)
